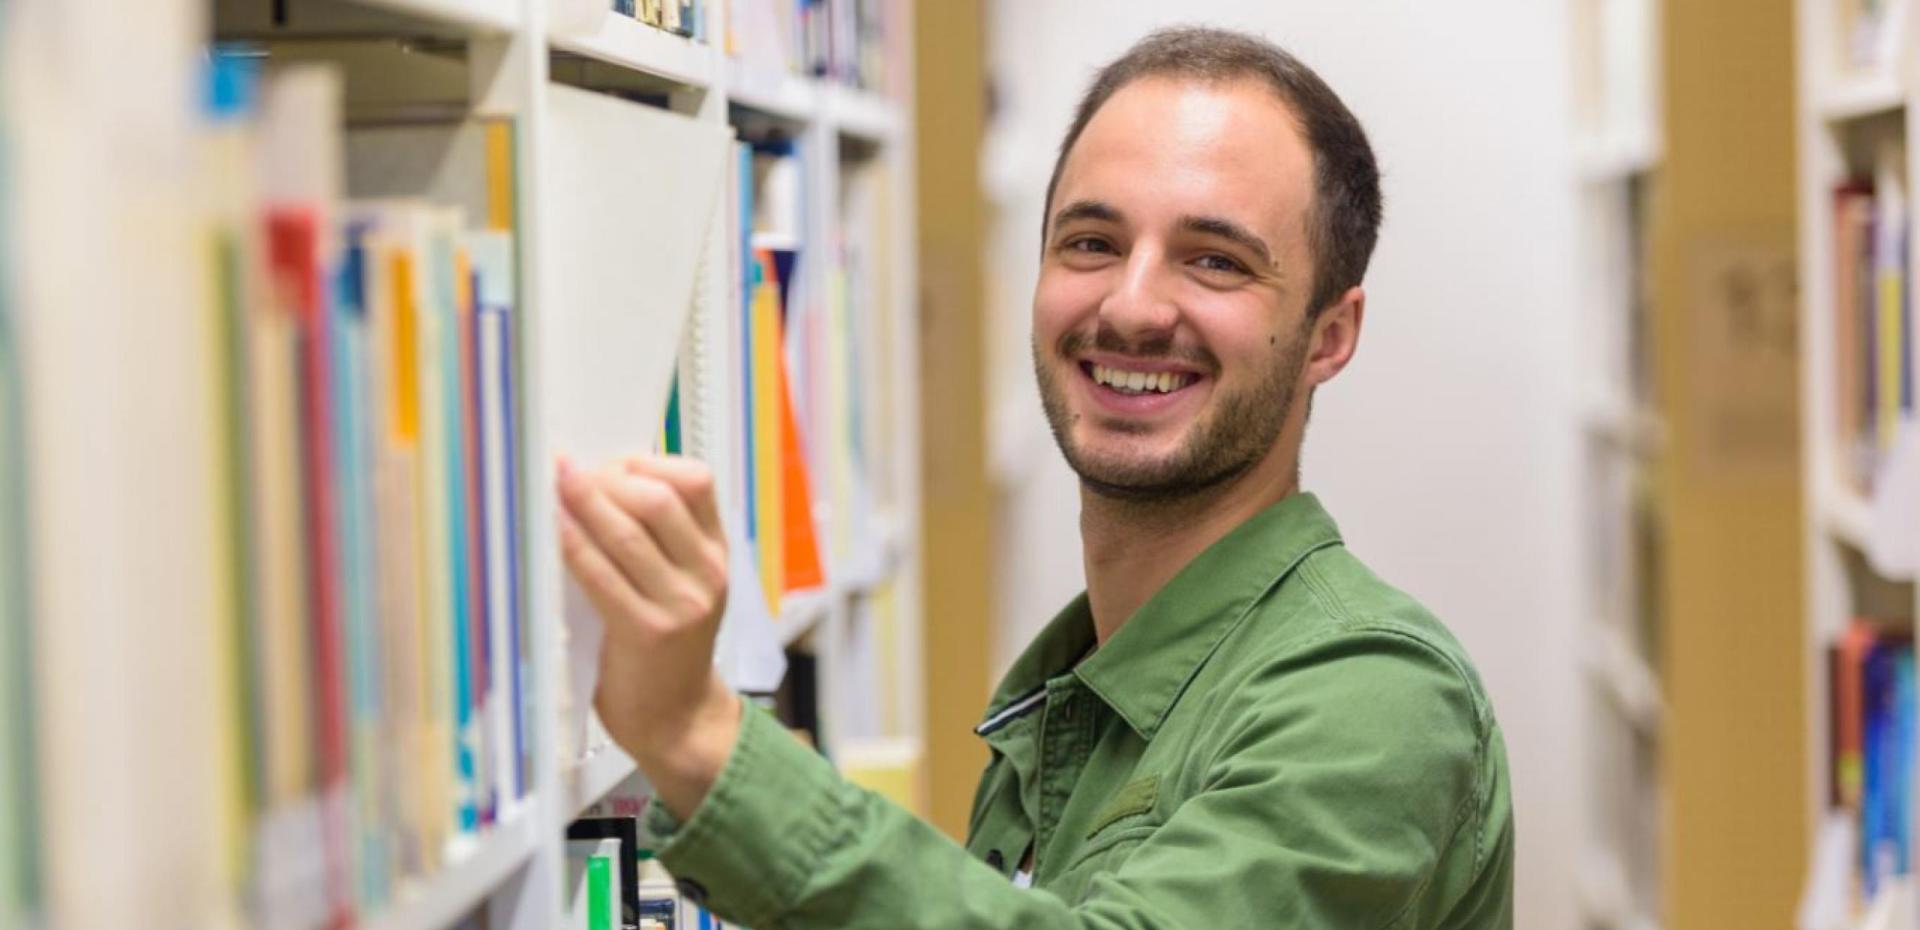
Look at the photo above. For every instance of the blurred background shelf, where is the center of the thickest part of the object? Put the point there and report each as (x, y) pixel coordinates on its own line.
(589, 780)
(465, 884)
(772, 92)
(628, 43)
(1858, 96)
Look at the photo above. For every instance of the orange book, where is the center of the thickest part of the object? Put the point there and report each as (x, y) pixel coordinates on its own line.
(802, 549)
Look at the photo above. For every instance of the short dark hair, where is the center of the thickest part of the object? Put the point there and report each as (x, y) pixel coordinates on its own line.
(1345, 219)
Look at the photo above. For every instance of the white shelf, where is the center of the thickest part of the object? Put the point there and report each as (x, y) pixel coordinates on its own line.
(1628, 681)
(861, 115)
(1846, 516)
(590, 779)
(800, 612)
(462, 885)
(774, 93)
(1605, 897)
(479, 16)
(1623, 423)
(1857, 96)
(629, 43)
(1616, 156)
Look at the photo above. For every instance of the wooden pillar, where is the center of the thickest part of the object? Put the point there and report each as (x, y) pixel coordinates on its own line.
(1733, 649)
(950, 108)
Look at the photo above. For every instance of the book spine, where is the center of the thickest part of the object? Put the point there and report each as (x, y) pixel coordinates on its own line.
(479, 742)
(354, 466)
(456, 623)
(294, 244)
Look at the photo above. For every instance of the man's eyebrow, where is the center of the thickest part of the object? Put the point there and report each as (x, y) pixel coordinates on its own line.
(1231, 231)
(1096, 210)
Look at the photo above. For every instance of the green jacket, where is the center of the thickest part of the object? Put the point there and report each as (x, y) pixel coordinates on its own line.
(1277, 739)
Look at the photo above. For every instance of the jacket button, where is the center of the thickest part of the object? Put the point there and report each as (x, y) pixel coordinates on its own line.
(995, 861)
(692, 891)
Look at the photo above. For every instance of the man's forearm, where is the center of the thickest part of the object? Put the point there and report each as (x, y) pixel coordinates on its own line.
(680, 758)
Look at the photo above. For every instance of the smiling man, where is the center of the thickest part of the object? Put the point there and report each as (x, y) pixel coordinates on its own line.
(1238, 725)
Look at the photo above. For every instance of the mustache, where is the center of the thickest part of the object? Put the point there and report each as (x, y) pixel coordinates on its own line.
(1160, 349)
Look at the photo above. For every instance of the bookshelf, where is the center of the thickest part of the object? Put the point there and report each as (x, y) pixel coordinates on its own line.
(1858, 146)
(620, 286)
(1617, 149)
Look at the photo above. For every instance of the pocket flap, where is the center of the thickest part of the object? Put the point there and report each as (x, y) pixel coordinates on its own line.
(1136, 797)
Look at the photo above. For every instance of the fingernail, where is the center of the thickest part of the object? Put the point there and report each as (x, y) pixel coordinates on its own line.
(562, 467)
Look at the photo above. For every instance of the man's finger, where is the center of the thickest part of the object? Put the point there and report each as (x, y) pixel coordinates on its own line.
(691, 477)
(621, 537)
(661, 509)
(605, 586)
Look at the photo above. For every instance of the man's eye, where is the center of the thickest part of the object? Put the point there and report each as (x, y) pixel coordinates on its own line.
(1222, 263)
(1096, 246)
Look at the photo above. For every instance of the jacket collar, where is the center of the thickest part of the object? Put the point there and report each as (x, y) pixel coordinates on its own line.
(1145, 666)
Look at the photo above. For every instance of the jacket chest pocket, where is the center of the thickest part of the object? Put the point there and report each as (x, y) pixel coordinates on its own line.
(1118, 827)
(1105, 853)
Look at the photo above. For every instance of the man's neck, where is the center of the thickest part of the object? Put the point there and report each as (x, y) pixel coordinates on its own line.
(1133, 548)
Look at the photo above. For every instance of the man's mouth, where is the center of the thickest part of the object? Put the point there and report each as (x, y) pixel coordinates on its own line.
(1138, 382)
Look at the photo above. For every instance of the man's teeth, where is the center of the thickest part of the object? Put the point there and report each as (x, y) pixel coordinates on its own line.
(1140, 382)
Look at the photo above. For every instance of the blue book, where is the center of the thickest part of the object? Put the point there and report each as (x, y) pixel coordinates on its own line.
(467, 814)
(1887, 740)
(749, 269)
(505, 708)
(353, 503)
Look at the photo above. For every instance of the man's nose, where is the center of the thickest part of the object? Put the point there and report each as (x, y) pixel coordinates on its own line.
(1141, 308)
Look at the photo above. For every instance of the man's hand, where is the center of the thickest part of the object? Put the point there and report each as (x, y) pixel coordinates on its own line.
(643, 539)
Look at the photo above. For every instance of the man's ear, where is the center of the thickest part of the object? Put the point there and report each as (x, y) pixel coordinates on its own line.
(1336, 336)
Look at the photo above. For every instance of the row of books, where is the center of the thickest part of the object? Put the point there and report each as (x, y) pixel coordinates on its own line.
(770, 454)
(366, 386)
(686, 18)
(1873, 316)
(1871, 752)
(615, 883)
(841, 40)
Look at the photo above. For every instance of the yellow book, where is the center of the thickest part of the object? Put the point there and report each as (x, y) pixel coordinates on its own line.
(394, 399)
(768, 464)
(436, 759)
(234, 257)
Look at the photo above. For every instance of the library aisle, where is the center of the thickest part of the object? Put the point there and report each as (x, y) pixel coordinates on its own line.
(303, 304)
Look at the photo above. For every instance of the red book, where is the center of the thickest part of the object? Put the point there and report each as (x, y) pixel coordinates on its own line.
(477, 645)
(1850, 712)
(294, 259)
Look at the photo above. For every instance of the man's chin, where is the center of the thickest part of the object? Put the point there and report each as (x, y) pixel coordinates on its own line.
(1129, 477)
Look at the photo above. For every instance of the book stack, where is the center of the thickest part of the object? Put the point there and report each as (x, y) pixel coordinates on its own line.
(368, 451)
(686, 18)
(613, 880)
(1873, 325)
(771, 456)
(1871, 676)
(841, 40)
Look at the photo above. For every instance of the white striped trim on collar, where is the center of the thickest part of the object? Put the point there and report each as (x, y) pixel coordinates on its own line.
(1013, 711)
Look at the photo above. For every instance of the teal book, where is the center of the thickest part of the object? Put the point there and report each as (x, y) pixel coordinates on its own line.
(466, 737)
(375, 843)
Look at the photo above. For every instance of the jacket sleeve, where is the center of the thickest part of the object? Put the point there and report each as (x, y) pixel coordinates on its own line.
(1346, 782)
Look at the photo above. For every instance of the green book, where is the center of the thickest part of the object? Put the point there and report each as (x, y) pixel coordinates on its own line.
(600, 894)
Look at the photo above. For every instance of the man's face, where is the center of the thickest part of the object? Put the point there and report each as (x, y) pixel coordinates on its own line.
(1169, 322)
